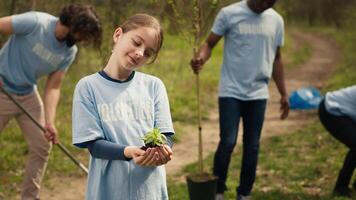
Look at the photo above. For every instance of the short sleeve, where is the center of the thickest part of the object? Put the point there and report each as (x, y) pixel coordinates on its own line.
(162, 114)
(24, 23)
(69, 60)
(280, 34)
(86, 125)
(220, 24)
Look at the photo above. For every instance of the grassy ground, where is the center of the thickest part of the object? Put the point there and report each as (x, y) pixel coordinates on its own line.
(298, 166)
(295, 54)
(172, 67)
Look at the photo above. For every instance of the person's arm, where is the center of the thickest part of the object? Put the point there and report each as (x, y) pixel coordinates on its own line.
(169, 136)
(104, 149)
(51, 99)
(204, 52)
(6, 25)
(165, 152)
(278, 76)
(107, 150)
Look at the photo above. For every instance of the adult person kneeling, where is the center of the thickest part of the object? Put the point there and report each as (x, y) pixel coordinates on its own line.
(337, 112)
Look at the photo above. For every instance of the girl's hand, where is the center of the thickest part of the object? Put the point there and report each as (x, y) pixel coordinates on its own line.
(149, 158)
(133, 152)
(165, 155)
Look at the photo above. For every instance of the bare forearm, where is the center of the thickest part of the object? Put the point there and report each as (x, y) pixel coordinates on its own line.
(208, 46)
(205, 52)
(51, 99)
(278, 76)
(6, 25)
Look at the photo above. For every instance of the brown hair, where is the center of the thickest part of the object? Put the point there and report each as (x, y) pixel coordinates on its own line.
(82, 19)
(145, 20)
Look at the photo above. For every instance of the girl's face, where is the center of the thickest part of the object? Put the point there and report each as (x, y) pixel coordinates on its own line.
(135, 47)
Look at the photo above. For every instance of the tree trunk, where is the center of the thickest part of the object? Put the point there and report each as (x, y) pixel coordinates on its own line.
(33, 5)
(12, 7)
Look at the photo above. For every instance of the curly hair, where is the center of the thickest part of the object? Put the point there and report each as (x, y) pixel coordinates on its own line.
(82, 19)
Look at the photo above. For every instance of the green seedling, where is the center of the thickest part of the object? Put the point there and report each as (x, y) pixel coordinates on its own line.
(154, 138)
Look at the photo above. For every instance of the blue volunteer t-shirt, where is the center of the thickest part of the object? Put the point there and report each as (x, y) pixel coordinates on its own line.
(121, 113)
(32, 51)
(250, 44)
(342, 102)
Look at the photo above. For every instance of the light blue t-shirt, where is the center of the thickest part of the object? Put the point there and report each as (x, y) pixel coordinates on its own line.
(250, 44)
(121, 113)
(342, 102)
(32, 51)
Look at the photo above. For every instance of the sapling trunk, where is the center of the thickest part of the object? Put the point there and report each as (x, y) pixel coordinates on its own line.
(197, 30)
(193, 31)
(200, 153)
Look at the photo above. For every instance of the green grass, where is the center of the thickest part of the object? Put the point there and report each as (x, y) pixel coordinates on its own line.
(345, 73)
(294, 54)
(302, 165)
(300, 56)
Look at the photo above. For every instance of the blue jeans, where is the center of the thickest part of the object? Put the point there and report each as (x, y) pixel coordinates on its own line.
(252, 114)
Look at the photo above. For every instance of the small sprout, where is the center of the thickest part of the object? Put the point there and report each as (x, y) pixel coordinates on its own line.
(154, 138)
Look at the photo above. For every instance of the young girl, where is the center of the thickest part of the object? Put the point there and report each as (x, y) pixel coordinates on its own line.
(114, 108)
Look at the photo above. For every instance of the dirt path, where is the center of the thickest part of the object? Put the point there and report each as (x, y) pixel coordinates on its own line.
(314, 72)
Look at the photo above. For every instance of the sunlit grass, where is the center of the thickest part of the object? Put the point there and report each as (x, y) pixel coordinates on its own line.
(297, 166)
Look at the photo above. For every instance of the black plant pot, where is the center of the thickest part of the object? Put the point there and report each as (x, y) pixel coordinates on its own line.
(202, 186)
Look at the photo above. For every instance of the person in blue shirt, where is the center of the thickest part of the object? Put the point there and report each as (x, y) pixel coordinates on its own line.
(115, 107)
(40, 45)
(337, 112)
(253, 35)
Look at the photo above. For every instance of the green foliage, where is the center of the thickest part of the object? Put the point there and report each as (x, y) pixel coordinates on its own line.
(326, 12)
(345, 71)
(193, 19)
(154, 138)
(301, 53)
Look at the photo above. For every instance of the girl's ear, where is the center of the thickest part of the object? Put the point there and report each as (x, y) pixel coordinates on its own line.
(117, 34)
